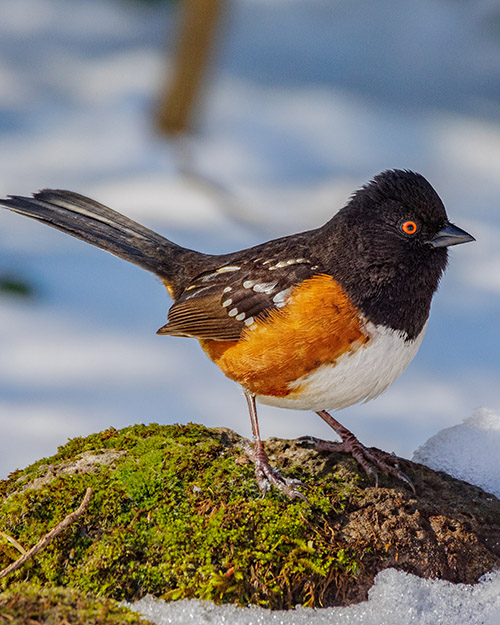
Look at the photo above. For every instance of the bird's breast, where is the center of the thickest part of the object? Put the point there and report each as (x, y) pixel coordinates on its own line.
(357, 376)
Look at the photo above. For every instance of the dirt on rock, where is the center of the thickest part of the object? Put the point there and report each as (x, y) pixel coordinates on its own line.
(448, 529)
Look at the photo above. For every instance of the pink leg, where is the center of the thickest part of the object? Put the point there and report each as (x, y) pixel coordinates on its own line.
(265, 473)
(370, 459)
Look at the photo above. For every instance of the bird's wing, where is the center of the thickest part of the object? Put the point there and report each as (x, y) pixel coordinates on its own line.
(219, 304)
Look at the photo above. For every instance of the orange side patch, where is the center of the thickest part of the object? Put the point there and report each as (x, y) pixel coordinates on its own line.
(316, 327)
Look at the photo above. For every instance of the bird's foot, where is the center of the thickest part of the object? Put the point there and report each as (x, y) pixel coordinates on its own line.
(372, 460)
(268, 476)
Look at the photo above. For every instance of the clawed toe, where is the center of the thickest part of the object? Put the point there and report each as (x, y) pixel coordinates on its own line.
(370, 459)
(374, 460)
(268, 476)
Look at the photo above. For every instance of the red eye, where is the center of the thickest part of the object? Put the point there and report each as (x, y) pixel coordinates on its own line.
(409, 227)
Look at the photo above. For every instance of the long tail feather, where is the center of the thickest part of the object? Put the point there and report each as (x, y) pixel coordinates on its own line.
(103, 227)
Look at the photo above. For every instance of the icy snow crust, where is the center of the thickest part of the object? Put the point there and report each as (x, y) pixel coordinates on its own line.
(395, 599)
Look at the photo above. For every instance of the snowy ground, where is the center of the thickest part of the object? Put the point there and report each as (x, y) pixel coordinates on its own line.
(309, 100)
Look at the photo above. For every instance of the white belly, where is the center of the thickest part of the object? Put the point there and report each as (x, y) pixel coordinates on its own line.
(354, 378)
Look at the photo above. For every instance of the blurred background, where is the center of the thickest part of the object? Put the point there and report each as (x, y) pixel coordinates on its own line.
(221, 123)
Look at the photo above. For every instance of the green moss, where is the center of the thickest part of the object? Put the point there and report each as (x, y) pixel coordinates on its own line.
(26, 605)
(176, 512)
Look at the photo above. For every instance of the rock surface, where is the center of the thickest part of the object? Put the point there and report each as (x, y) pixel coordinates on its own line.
(176, 513)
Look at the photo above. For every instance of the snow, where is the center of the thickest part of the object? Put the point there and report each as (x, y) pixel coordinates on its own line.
(396, 598)
(307, 101)
(468, 451)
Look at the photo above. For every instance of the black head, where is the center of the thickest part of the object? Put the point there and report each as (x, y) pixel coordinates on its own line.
(388, 247)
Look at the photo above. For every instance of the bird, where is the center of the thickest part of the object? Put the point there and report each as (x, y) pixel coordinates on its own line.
(318, 320)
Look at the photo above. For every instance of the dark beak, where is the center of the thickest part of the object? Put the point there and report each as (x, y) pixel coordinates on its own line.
(450, 235)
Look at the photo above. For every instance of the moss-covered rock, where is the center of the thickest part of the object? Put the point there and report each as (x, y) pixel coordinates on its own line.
(28, 605)
(176, 513)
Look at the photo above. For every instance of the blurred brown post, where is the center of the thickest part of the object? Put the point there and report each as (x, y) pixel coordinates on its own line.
(196, 37)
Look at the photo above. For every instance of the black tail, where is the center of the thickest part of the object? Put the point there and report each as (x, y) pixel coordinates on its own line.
(105, 228)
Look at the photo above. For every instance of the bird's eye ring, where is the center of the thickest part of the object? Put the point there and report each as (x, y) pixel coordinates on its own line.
(409, 227)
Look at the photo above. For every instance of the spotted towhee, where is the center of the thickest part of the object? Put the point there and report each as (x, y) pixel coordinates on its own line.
(318, 320)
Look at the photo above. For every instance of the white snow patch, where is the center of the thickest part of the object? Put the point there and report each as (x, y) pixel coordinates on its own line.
(396, 598)
(469, 451)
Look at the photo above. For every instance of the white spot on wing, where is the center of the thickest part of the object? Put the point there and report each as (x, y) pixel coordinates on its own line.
(233, 312)
(240, 317)
(228, 268)
(280, 298)
(227, 289)
(265, 287)
(199, 290)
(209, 276)
(227, 303)
(285, 263)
